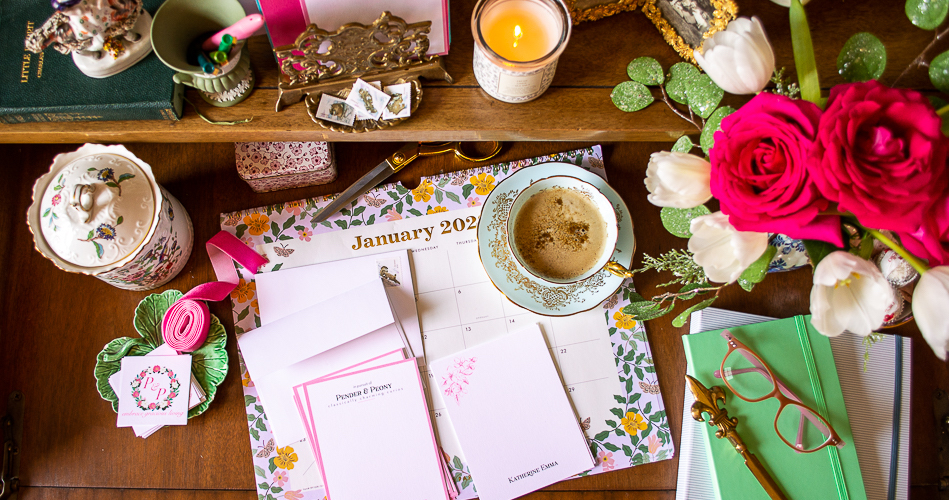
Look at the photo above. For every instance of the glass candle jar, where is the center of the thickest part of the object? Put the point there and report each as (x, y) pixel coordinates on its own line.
(517, 44)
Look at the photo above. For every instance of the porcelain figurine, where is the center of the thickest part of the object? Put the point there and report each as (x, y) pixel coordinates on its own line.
(105, 37)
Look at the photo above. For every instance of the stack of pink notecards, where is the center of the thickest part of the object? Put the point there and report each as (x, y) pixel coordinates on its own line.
(513, 376)
(375, 414)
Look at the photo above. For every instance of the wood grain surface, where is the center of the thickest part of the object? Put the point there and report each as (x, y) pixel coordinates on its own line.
(577, 106)
(53, 323)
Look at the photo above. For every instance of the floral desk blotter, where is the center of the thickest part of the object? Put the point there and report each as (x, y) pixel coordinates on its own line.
(637, 432)
(208, 363)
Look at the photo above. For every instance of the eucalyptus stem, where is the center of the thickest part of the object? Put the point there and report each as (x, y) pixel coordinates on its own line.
(921, 58)
(917, 264)
(665, 99)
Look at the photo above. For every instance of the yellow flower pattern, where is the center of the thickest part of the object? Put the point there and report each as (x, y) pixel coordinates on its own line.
(244, 291)
(285, 458)
(624, 321)
(257, 224)
(424, 191)
(633, 422)
(483, 183)
(435, 210)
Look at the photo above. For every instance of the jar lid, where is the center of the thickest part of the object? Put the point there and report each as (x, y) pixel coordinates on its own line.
(94, 208)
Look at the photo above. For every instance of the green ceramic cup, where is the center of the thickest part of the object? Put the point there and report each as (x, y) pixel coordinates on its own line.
(176, 26)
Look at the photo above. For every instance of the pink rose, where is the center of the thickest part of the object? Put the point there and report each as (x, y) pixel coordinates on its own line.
(930, 240)
(760, 173)
(880, 154)
(156, 368)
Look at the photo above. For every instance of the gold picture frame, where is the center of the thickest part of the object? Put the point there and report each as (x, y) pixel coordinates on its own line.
(684, 24)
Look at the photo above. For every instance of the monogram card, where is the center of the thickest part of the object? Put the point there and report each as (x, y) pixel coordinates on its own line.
(155, 390)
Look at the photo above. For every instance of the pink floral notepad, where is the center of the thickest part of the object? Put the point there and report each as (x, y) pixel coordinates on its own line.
(519, 453)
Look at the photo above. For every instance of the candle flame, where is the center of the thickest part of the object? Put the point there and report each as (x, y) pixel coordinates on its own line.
(517, 33)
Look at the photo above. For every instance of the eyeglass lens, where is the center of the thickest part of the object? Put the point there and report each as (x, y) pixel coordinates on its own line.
(746, 375)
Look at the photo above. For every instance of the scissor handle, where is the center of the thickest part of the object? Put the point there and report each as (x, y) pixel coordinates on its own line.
(409, 152)
(458, 147)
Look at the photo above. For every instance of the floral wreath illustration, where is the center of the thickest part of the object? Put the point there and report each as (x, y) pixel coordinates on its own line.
(173, 387)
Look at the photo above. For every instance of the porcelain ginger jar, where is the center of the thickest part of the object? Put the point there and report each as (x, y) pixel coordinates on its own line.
(100, 212)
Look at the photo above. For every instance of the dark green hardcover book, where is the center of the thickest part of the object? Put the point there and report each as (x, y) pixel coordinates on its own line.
(48, 87)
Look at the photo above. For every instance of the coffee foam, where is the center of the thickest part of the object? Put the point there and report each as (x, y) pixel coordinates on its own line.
(560, 233)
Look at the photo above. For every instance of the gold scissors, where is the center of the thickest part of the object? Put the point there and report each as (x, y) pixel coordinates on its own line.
(394, 163)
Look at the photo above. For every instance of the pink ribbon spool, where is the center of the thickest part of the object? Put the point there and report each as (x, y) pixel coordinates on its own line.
(185, 324)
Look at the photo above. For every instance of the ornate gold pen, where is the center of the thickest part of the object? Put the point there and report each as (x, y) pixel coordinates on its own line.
(706, 401)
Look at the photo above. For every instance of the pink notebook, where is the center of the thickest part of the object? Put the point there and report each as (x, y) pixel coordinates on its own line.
(286, 19)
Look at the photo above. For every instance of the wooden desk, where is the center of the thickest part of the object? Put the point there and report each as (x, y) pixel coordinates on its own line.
(577, 107)
(52, 325)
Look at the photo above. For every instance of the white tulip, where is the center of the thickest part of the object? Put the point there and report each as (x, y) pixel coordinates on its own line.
(678, 180)
(930, 304)
(849, 294)
(739, 59)
(722, 251)
(787, 3)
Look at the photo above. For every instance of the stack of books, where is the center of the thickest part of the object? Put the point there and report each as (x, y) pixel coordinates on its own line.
(48, 87)
(867, 404)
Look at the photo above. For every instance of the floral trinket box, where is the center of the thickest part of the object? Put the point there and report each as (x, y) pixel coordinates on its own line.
(271, 166)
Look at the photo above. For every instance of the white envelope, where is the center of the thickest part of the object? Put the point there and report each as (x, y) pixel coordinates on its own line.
(329, 336)
(292, 289)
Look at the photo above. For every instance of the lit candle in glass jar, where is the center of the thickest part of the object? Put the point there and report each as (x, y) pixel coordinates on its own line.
(517, 44)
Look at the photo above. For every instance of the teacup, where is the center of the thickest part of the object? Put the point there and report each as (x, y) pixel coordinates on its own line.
(563, 230)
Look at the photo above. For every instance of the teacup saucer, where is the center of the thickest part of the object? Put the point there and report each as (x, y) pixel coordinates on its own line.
(520, 286)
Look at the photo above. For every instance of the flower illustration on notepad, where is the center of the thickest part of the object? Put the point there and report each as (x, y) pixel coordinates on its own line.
(455, 380)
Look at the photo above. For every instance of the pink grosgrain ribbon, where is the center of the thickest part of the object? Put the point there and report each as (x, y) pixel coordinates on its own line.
(185, 325)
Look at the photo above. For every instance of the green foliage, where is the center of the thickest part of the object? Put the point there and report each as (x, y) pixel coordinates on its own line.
(927, 14)
(704, 95)
(680, 320)
(683, 145)
(868, 342)
(680, 74)
(679, 263)
(756, 272)
(631, 96)
(678, 220)
(817, 250)
(862, 58)
(939, 72)
(646, 71)
(712, 125)
(804, 54)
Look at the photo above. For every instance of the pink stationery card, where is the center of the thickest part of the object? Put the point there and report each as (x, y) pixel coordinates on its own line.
(299, 396)
(538, 440)
(154, 390)
(373, 437)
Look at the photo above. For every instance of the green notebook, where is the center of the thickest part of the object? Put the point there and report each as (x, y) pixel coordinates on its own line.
(781, 344)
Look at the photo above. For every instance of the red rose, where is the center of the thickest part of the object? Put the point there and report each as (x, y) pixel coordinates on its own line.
(880, 155)
(930, 240)
(759, 170)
